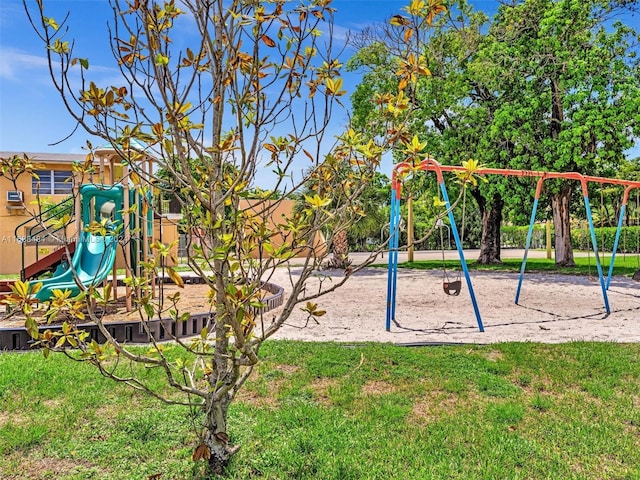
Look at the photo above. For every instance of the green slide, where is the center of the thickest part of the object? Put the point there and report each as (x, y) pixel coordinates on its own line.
(95, 254)
(92, 261)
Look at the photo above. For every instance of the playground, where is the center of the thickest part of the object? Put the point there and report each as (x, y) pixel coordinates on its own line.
(495, 306)
(553, 309)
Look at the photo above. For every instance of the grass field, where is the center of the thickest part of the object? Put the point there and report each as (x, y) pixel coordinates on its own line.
(335, 411)
(585, 265)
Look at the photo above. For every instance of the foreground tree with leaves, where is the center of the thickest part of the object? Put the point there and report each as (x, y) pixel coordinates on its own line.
(209, 113)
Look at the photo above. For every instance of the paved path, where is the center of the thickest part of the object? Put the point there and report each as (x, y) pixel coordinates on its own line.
(469, 255)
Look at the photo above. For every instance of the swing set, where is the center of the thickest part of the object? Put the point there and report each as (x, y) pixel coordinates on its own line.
(453, 287)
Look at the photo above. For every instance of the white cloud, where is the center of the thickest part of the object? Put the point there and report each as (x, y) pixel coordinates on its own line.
(16, 64)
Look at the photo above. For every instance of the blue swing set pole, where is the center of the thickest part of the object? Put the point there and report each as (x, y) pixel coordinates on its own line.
(529, 235)
(456, 237)
(615, 244)
(587, 207)
(396, 244)
(392, 271)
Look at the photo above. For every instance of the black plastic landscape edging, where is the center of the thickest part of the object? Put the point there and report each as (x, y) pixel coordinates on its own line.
(134, 331)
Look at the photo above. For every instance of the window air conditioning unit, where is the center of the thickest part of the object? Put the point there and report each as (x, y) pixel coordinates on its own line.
(14, 196)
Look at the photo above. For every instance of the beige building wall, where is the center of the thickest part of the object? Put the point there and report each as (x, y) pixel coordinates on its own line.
(278, 211)
(13, 214)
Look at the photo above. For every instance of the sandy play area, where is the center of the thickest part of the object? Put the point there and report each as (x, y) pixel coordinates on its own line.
(552, 309)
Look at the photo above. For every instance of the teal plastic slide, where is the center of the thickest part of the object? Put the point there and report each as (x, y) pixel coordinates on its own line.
(95, 254)
(92, 261)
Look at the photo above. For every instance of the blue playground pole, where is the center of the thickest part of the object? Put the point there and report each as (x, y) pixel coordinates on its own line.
(526, 247)
(595, 253)
(463, 262)
(393, 259)
(529, 234)
(615, 244)
(396, 244)
(390, 262)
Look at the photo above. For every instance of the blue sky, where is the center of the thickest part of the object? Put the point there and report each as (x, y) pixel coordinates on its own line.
(32, 117)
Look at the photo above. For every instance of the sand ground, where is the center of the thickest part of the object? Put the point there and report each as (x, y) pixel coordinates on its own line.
(551, 309)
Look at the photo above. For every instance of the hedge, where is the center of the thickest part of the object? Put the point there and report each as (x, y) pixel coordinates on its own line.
(629, 242)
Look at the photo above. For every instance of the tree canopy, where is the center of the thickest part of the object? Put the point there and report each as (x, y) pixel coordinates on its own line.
(544, 85)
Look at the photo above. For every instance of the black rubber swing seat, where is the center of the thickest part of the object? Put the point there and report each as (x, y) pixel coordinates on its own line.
(636, 276)
(452, 288)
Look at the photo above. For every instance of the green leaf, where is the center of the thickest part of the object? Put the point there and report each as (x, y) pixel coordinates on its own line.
(31, 326)
(161, 60)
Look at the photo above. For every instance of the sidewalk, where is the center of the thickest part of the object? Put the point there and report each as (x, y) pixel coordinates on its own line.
(472, 254)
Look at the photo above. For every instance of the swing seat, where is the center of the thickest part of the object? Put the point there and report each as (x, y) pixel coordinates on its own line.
(636, 276)
(452, 288)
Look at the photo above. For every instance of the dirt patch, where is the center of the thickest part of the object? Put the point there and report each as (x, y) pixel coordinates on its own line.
(262, 388)
(321, 388)
(494, 355)
(433, 406)
(252, 397)
(378, 387)
(288, 369)
(36, 468)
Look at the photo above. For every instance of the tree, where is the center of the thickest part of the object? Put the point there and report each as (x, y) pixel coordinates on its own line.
(208, 112)
(551, 85)
(450, 110)
(566, 73)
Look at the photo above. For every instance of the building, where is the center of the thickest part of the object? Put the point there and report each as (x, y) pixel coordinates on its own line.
(29, 204)
(22, 242)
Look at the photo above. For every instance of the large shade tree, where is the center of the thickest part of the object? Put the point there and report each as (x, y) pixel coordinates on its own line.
(252, 90)
(549, 85)
(575, 69)
(450, 112)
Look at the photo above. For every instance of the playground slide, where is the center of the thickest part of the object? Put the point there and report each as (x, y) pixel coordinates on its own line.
(92, 261)
(50, 263)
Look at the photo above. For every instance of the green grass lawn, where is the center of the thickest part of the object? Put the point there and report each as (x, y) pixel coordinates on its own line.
(334, 411)
(624, 265)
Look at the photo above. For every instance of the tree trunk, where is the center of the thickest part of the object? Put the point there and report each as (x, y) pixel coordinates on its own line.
(219, 452)
(562, 226)
(217, 440)
(340, 250)
(491, 219)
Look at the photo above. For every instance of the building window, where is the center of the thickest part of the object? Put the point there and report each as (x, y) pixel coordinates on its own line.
(52, 182)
